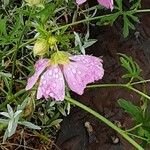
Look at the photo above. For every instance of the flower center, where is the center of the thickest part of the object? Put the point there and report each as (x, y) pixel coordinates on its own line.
(60, 57)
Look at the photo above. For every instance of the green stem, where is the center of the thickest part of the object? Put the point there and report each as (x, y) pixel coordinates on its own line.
(107, 85)
(95, 18)
(134, 128)
(106, 121)
(139, 137)
(139, 92)
(140, 82)
(128, 86)
(81, 21)
(143, 11)
(72, 24)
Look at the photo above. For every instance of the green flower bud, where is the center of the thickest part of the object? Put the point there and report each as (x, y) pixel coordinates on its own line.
(40, 47)
(60, 57)
(52, 42)
(34, 2)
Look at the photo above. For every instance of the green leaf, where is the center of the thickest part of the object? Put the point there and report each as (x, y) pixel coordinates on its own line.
(89, 43)
(134, 18)
(56, 122)
(125, 27)
(5, 2)
(4, 121)
(29, 125)
(3, 25)
(133, 110)
(108, 19)
(10, 111)
(119, 4)
(47, 12)
(61, 110)
(133, 69)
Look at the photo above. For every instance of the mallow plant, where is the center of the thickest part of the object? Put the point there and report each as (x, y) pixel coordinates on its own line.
(43, 59)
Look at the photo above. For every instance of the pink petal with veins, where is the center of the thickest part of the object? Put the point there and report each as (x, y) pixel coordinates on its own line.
(107, 3)
(94, 66)
(52, 84)
(76, 75)
(79, 2)
(39, 68)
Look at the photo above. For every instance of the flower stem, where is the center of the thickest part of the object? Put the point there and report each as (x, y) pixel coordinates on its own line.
(106, 121)
(139, 137)
(140, 82)
(96, 18)
(128, 86)
(139, 92)
(143, 11)
(107, 85)
(81, 21)
(134, 128)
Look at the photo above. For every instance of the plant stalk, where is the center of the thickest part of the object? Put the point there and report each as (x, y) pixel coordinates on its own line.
(106, 121)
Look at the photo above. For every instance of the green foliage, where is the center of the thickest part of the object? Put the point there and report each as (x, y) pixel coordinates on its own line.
(21, 25)
(131, 109)
(132, 68)
(140, 117)
(128, 18)
(13, 119)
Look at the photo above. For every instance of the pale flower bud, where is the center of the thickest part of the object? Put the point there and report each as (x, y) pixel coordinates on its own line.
(34, 2)
(40, 47)
(52, 42)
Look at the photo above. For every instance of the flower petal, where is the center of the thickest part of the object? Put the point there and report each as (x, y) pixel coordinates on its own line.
(93, 64)
(76, 75)
(79, 2)
(106, 3)
(52, 84)
(39, 68)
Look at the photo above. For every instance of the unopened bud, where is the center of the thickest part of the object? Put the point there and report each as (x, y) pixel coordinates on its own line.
(59, 57)
(40, 47)
(52, 41)
(34, 2)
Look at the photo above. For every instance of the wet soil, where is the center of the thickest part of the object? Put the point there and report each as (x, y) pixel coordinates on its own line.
(74, 134)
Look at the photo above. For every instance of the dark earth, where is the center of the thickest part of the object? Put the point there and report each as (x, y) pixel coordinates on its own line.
(74, 133)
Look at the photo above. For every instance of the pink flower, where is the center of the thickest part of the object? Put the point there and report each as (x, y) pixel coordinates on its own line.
(106, 3)
(80, 71)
